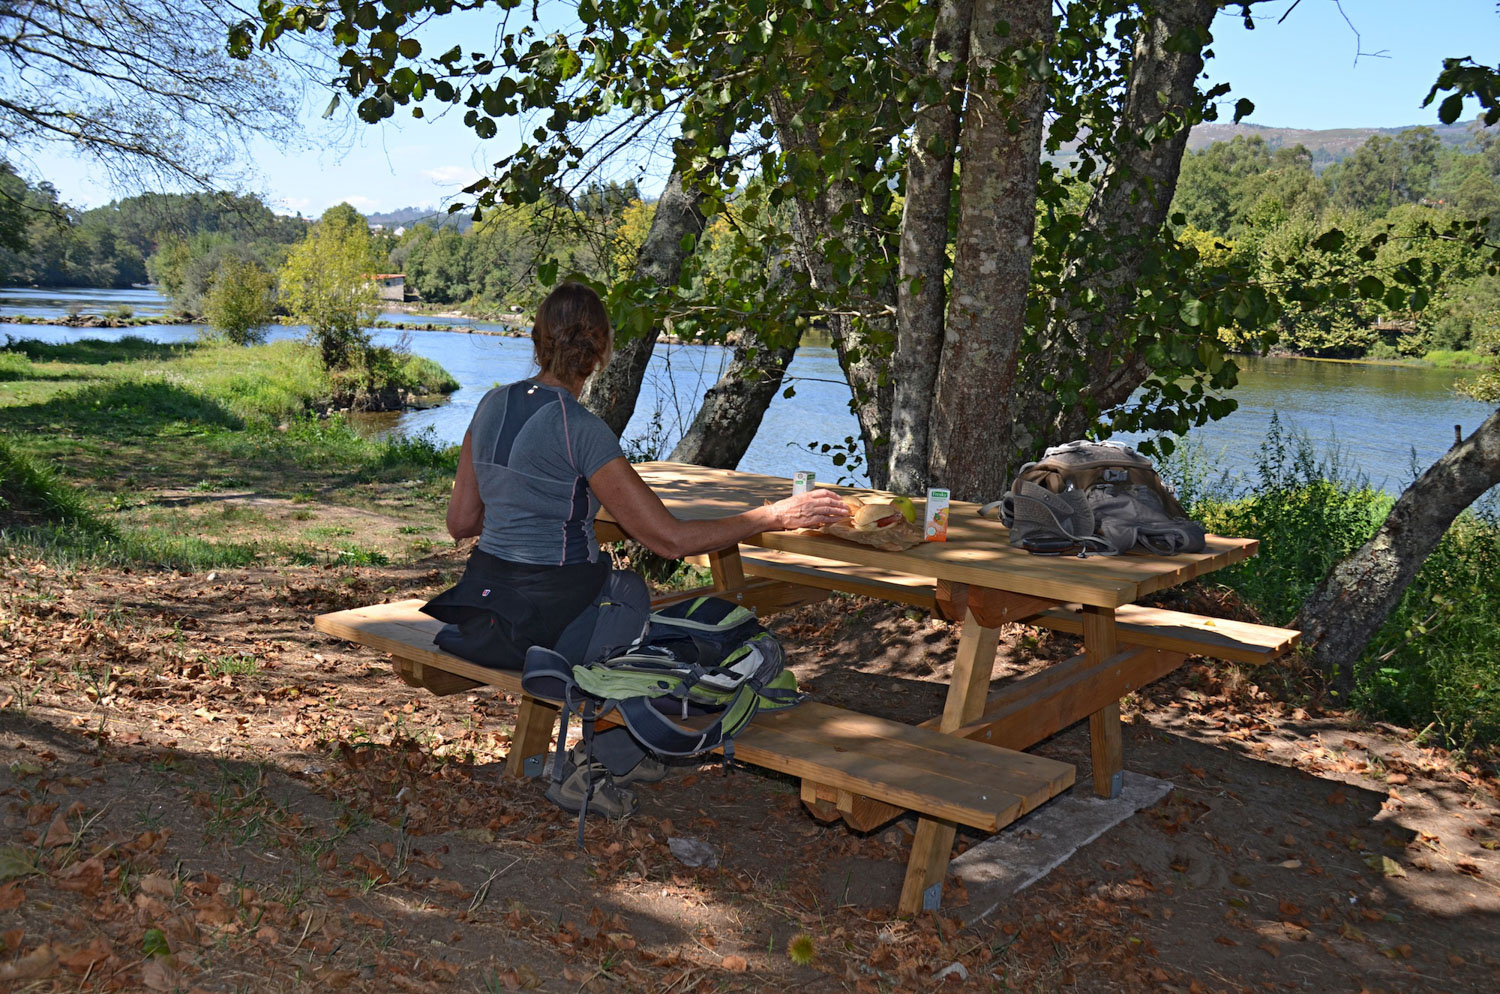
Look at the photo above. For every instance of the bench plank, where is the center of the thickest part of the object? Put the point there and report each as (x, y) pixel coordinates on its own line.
(1176, 631)
(826, 574)
(904, 765)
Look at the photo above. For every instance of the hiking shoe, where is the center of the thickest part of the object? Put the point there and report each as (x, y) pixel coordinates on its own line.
(648, 770)
(609, 800)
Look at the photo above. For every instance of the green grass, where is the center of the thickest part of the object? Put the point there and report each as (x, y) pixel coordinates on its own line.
(96, 433)
(32, 494)
(1445, 359)
(14, 366)
(1435, 663)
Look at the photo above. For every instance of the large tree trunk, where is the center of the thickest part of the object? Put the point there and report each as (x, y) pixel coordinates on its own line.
(920, 296)
(862, 360)
(1002, 136)
(1341, 616)
(612, 391)
(734, 407)
(1121, 222)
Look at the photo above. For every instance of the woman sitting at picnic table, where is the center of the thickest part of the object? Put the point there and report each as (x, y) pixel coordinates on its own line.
(534, 469)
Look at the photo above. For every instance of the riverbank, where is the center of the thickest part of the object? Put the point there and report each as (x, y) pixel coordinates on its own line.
(98, 320)
(1438, 359)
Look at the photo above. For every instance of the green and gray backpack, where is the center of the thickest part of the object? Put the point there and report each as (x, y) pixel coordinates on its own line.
(699, 672)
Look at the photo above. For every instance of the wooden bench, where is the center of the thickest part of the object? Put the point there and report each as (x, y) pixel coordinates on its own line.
(1150, 627)
(851, 765)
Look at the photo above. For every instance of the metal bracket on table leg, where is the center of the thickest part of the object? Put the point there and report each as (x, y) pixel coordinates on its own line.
(532, 765)
(1117, 783)
(932, 897)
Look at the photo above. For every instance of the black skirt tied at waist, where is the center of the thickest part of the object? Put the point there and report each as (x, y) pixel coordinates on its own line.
(499, 609)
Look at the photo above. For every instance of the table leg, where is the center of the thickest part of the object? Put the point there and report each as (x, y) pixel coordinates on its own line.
(728, 570)
(972, 668)
(1100, 641)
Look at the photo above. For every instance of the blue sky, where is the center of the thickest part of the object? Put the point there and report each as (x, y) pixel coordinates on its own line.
(1300, 73)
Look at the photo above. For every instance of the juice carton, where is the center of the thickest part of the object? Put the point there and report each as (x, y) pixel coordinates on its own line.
(802, 482)
(935, 528)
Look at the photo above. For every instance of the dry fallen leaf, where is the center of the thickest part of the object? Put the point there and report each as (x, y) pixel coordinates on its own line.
(159, 975)
(58, 833)
(735, 964)
(39, 963)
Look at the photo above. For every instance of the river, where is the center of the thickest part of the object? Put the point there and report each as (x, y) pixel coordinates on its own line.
(1378, 420)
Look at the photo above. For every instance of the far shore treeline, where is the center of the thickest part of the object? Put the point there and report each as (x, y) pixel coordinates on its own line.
(1244, 199)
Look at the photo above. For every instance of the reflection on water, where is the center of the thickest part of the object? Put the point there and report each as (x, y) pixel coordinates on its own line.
(1373, 416)
(56, 303)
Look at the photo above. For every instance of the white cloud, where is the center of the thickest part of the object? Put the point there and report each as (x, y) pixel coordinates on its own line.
(362, 204)
(454, 176)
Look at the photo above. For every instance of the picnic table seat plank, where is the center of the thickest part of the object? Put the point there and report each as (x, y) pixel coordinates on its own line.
(402, 630)
(1159, 628)
(956, 779)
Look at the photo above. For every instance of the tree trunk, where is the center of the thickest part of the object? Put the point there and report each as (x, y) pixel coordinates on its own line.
(1001, 140)
(612, 391)
(1341, 616)
(861, 359)
(920, 296)
(734, 407)
(1123, 218)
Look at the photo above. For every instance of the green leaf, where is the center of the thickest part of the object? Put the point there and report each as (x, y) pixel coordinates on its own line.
(1243, 108)
(16, 861)
(154, 943)
(1329, 241)
(546, 273)
(1192, 312)
(1451, 109)
(1370, 287)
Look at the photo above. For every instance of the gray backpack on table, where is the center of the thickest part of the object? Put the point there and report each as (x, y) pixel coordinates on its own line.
(1094, 498)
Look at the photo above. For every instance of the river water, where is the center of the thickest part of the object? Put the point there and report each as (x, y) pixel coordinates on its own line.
(1376, 420)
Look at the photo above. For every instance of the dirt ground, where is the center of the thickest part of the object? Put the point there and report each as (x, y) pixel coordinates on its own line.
(198, 792)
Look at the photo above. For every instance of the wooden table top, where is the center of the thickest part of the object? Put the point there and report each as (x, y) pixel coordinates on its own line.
(977, 552)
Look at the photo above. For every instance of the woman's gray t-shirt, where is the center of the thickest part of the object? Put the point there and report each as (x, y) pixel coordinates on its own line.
(534, 448)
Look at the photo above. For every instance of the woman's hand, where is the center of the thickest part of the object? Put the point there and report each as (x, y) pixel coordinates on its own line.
(810, 510)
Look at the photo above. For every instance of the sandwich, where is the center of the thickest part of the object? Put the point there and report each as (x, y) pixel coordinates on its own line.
(865, 517)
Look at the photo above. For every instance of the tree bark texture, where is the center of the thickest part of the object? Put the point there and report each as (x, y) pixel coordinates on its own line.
(612, 391)
(1339, 618)
(920, 296)
(1122, 220)
(733, 407)
(862, 361)
(1001, 141)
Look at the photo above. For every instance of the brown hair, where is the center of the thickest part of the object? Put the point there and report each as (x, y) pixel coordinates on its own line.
(572, 333)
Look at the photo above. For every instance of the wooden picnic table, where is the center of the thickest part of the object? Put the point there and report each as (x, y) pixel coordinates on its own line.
(965, 766)
(984, 582)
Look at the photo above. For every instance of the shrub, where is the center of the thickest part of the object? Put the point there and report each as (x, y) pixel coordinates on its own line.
(238, 304)
(1435, 663)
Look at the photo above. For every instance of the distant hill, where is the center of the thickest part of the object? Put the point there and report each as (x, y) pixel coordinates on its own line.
(1328, 145)
(436, 216)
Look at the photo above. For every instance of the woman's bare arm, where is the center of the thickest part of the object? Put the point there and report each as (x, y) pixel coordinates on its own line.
(465, 509)
(640, 513)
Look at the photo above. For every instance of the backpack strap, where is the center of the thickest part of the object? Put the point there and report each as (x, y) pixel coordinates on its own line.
(670, 738)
